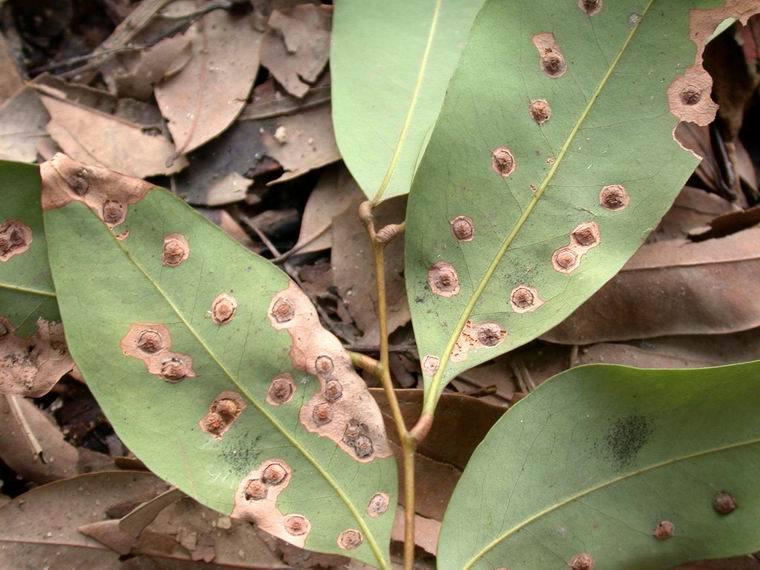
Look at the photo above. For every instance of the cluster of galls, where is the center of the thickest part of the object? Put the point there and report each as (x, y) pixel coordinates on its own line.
(272, 475)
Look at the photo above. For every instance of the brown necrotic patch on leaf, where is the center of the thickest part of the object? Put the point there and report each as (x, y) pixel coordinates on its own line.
(350, 539)
(343, 398)
(15, 238)
(222, 413)
(108, 194)
(664, 530)
(586, 235)
(503, 161)
(582, 561)
(524, 299)
(540, 110)
(32, 366)
(223, 308)
(614, 197)
(281, 389)
(462, 228)
(151, 343)
(590, 7)
(487, 334)
(551, 60)
(175, 250)
(256, 501)
(378, 505)
(430, 364)
(443, 279)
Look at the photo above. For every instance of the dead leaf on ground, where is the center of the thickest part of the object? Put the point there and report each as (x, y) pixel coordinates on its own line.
(335, 191)
(727, 224)
(693, 208)
(354, 269)
(297, 46)
(41, 525)
(94, 137)
(222, 171)
(61, 459)
(210, 91)
(426, 531)
(223, 219)
(23, 119)
(673, 288)
(136, 74)
(460, 424)
(32, 366)
(10, 78)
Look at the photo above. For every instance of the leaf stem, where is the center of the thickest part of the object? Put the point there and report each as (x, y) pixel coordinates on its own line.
(408, 438)
(366, 363)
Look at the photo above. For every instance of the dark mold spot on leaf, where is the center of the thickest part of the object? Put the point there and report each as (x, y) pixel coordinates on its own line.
(626, 438)
(175, 250)
(540, 110)
(565, 260)
(223, 308)
(15, 238)
(350, 539)
(378, 505)
(281, 389)
(591, 7)
(614, 197)
(551, 59)
(582, 561)
(664, 530)
(297, 525)
(503, 161)
(282, 310)
(443, 279)
(462, 228)
(724, 503)
(224, 410)
(524, 299)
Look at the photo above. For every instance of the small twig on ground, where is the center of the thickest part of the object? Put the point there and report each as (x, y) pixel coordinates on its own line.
(18, 413)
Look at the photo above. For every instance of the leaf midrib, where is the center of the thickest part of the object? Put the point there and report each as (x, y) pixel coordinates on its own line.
(28, 290)
(330, 480)
(412, 106)
(503, 536)
(431, 394)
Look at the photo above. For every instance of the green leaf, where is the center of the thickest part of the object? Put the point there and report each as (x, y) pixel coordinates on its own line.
(390, 64)
(597, 457)
(26, 288)
(204, 357)
(552, 159)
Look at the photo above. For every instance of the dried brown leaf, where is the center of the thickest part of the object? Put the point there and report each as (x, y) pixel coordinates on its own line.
(10, 77)
(206, 96)
(673, 287)
(297, 46)
(692, 209)
(22, 126)
(93, 137)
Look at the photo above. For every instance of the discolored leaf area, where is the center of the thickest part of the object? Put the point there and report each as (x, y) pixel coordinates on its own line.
(552, 159)
(212, 366)
(391, 62)
(26, 288)
(607, 464)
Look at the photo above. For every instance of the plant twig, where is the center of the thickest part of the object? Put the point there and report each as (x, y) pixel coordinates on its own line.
(18, 413)
(408, 438)
(366, 363)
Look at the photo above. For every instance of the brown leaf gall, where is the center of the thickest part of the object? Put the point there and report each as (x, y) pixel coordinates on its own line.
(223, 308)
(281, 389)
(378, 505)
(565, 260)
(350, 539)
(551, 60)
(582, 561)
(297, 525)
(614, 197)
(590, 7)
(462, 228)
(443, 280)
(540, 110)
(175, 250)
(524, 299)
(664, 530)
(503, 161)
(15, 238)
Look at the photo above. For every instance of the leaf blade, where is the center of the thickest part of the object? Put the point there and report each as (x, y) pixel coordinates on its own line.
(604, 440)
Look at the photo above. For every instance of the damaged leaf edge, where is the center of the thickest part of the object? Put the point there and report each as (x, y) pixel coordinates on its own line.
(47, 170)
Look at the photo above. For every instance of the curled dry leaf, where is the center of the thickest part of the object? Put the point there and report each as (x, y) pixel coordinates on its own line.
(673, 287)
(206, 96)
(12, 79)
(94, 137)
(42, 525)
(22, 126)
(693, 209)
(354, 272)
(31, 366)
(297, 46)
